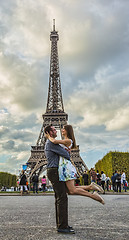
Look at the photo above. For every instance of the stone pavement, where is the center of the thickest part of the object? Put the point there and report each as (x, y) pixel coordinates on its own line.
(33, 218)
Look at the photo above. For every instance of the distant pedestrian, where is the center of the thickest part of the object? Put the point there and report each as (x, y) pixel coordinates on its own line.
(85, 178)
(22, 183)
(123, 180)
(115, 174)
(44, 183)
(118, 182)
(35, 180)
(113, 179)
(98, 178)
(93, 175)
(108, 180)
(103, 179)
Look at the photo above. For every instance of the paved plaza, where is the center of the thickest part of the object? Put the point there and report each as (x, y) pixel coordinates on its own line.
(33, 218)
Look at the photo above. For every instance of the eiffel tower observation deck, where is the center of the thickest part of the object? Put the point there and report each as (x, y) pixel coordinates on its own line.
(54, 115)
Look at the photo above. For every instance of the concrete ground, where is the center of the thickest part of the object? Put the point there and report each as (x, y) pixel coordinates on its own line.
(33, 218)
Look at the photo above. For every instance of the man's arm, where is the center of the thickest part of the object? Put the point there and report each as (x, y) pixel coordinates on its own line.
(58, 150)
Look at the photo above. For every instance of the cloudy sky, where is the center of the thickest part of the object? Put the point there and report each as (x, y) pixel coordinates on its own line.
(94, 70)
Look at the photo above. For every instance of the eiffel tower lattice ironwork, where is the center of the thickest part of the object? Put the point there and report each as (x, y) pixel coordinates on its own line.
(54, 115)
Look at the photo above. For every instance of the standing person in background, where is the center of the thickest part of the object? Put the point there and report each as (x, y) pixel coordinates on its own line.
(44, 183)
(85, 178)
(123, 180)
(113, 178)
(115, 174)
(93, 175)
(108, 180)
(118, 182)
(35, 181)
(103, 179)
(98, 178)
(22, 183)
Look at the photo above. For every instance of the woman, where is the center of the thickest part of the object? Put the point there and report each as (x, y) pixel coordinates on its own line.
(44, 183)
(67, 172)
(23, 182)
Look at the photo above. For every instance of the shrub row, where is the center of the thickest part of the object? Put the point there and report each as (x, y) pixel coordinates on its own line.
(8, 180)
(114, 161)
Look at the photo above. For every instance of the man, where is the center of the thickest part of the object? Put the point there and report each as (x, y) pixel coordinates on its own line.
(118, 182)
(85, 178)
(103, 179)
(35, 180)
(98, 178)
(93, 175)
(113, 178)
(53, 152)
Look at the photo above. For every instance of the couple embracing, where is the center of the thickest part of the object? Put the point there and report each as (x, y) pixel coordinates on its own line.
(62, 174)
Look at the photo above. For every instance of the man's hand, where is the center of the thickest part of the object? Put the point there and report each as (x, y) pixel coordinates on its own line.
(68, 150)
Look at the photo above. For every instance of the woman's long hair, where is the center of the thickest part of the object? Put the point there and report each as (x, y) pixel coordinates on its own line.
(70, 134)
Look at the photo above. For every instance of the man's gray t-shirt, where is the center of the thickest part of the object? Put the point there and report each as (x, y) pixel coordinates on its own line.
(53, 152)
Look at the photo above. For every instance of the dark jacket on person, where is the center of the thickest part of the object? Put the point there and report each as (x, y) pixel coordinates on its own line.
(118, 177)
(113, 178)
(23, 180)
(35, 179)
(85, 177)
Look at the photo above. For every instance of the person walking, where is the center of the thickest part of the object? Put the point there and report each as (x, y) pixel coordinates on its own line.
(103, 179)
(123, 180)
(44, 183)
(35, 181)
(68, 173)
(22, 183)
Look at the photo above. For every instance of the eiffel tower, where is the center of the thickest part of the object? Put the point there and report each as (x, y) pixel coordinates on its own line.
(54, 115)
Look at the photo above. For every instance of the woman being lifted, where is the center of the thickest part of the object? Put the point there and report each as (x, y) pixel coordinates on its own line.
(67, 171)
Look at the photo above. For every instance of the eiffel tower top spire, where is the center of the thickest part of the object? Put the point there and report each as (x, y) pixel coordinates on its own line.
(54, 101)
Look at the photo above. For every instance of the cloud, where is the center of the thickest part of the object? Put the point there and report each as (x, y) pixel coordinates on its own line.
(93, 58)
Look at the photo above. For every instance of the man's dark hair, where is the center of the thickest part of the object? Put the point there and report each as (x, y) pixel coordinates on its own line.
(47, 129)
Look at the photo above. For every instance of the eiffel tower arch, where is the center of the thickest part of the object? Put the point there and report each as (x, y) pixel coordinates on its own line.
(54, 115)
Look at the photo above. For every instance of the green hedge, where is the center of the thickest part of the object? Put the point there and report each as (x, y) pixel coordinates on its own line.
(114, 161)
(8, 180)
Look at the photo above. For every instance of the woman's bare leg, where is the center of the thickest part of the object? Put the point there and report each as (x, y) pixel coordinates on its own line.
(92, 186)
(85, 187)
(73, 190)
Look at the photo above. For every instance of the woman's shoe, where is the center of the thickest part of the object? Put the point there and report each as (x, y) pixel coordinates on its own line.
(97, 187)
(100, 199)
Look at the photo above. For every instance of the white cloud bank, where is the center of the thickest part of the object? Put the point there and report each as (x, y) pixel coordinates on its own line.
(93, 54)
